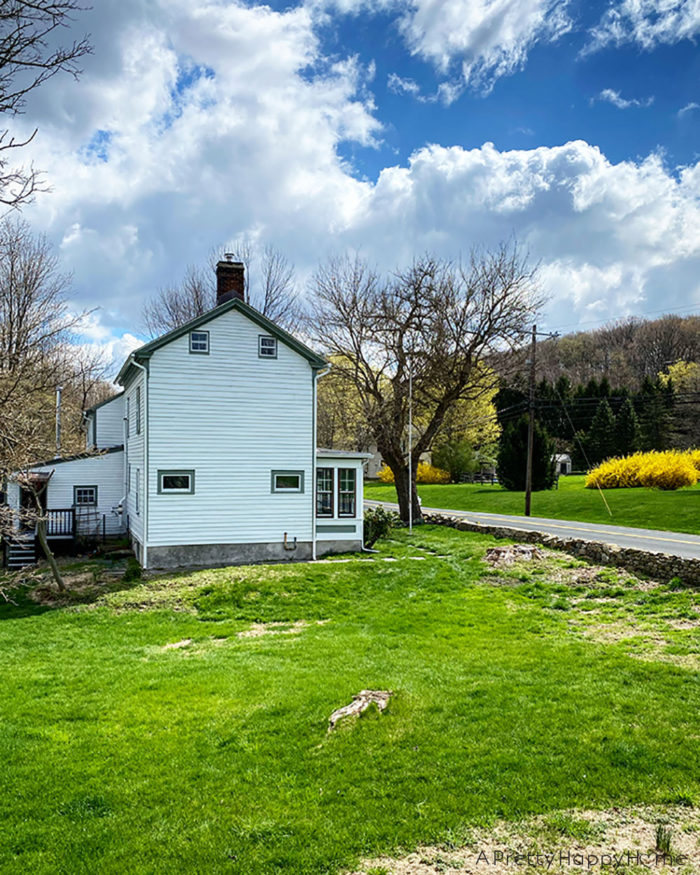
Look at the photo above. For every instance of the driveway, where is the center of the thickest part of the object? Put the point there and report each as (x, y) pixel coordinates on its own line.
(672, 543)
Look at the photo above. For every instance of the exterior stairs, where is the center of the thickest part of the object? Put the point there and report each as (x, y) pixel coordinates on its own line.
(21, 552)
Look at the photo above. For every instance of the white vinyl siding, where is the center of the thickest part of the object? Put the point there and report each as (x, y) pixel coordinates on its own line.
(105, 472)
(135, 447)
(106, 424)
(233, 418)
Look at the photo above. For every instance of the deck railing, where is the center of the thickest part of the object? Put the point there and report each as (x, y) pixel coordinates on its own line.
(60, 523)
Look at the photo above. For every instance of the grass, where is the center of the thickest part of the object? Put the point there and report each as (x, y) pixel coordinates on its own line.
(123, 754)
(677, 511)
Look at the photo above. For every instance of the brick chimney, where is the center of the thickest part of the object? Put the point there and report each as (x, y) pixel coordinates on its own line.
(230, 280)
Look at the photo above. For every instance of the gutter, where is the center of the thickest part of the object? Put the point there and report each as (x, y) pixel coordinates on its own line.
(145, 460)
(316, 374)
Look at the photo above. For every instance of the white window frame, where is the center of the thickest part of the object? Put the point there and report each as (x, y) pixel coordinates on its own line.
(137, 503)
(287, 489)
(263, 345)
(138, 410)
(203, 339)
(188, 490)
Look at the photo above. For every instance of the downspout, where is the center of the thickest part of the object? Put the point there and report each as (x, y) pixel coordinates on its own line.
(144, 432)
(314, 384)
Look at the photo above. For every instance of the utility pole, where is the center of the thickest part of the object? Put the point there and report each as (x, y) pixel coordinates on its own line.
(530, 425)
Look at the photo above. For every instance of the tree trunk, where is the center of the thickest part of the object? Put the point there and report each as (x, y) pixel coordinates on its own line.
(403, 491)
(43, 541)
(50, 558)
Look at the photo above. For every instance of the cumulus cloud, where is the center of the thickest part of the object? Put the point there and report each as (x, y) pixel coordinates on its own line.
(647, 23)
(609, 95)
(489, 38)
(234, 125)
(689, 107)
(612, 238)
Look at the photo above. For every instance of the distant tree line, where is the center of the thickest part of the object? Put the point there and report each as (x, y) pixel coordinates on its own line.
(593, 420)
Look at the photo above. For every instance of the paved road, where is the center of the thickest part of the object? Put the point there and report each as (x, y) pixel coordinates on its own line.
(673, 543)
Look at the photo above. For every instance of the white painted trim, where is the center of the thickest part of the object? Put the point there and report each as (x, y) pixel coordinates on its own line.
(144, 431)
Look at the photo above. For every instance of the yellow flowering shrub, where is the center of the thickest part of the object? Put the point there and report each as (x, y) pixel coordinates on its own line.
(670, 469)
(424, 474)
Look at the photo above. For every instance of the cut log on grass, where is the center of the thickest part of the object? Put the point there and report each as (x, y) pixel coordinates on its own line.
(512, 553)
(360, 703)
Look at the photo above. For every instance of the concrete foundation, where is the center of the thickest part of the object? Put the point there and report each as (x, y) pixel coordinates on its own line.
(324, 548)
(217, 555)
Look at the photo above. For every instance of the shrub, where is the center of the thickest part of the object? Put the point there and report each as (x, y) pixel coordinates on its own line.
(133, 570)
(424, 474)
(669, 469)
(378, 522)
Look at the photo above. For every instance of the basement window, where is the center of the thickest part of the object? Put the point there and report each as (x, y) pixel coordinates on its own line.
(176, 482)
(267, 347)
(85, 496)
(199, 342)
(287, 481)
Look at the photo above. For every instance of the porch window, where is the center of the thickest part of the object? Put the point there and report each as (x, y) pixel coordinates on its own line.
(85, 496)
(137, 502)
(324, 492)
(347, 488)
(267, 347)
(176, 482)
(287, 481)
(199, 342)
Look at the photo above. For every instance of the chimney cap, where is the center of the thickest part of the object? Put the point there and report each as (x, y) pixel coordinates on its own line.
(228, 256)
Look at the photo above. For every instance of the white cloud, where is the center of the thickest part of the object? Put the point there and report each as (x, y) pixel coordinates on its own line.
(647, 23)
(400, 85)
(489, 38)
(485, 39)
(689, 107)
(621, 234)
(609, 95)
(233, 125)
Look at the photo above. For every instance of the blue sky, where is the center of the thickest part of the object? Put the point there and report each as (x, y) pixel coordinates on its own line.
(387, 126)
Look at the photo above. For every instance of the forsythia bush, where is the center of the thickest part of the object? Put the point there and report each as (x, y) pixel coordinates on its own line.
(671, 469)
(424, 474)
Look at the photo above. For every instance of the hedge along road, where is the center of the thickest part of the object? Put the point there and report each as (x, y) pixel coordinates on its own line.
(671, 543)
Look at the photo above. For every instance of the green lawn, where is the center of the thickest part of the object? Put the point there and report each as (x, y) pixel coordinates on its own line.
(677, 511)
(120, 754)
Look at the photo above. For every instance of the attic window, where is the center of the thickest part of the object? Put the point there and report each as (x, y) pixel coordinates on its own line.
(199, 342)
(267, 347)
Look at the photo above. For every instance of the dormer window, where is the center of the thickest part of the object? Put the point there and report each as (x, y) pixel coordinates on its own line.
(267, 347)
(199, 342)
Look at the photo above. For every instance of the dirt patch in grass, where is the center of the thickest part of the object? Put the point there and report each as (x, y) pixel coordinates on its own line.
(259, 630)
(619, 840)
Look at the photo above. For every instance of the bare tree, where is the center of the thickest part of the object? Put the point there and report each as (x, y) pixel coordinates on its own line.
(175, 305)
(38, 352)
(270, 287)
(28, 58)
(435, 321)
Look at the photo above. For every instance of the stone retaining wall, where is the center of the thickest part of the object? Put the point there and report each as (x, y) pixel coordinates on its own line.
(660, 566)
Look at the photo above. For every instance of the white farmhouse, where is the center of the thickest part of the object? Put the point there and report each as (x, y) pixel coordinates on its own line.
(209, 457)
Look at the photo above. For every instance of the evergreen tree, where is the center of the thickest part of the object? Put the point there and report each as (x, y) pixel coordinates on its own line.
(512, 456)
(653, 406)
(627, 434)
(601, 441)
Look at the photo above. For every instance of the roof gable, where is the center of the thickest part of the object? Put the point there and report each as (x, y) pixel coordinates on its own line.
(145, 352)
